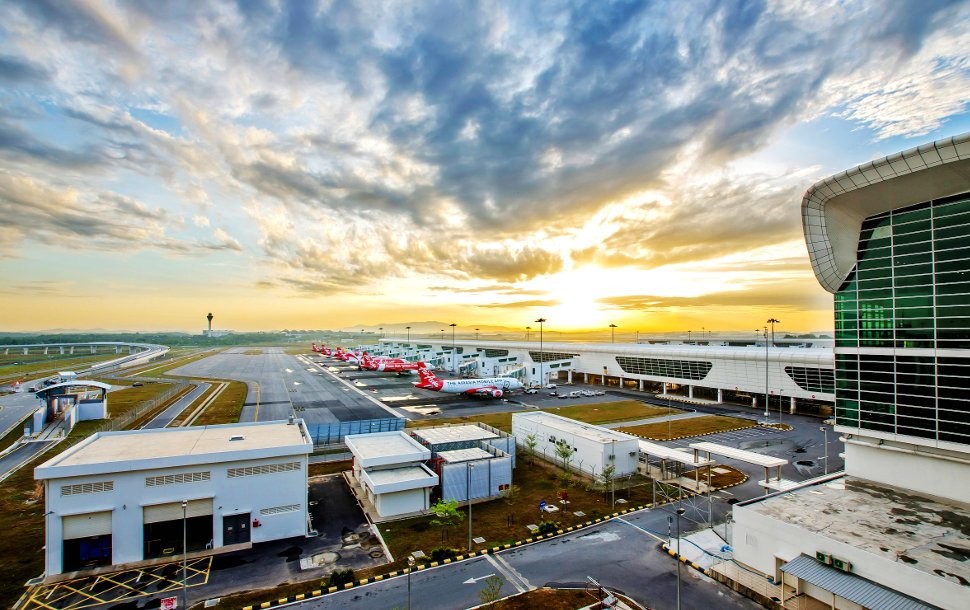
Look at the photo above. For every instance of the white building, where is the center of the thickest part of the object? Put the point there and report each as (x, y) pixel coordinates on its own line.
(125, 497)
(593, 447)
(796, 374)
(891, 240)
(389, 468)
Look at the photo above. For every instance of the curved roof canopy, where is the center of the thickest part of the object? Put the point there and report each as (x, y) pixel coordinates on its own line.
(833, 209)
(75, 383)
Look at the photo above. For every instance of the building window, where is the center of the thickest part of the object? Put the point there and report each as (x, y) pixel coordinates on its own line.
(910, 289)
(812, 379)
(174, 479)
(249, 471)
(87, 488)
(693, 370)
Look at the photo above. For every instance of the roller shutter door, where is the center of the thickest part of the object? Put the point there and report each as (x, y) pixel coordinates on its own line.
(87, 525)
(173, 511)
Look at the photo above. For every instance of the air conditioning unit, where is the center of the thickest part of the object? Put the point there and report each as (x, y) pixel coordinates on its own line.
(841, 564)
(823, 557)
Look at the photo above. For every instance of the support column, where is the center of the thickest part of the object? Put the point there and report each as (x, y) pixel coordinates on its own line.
(664, 386)
(72, 350)
(690, 391)
(641, 385)
(62, 350)
(46, 350)
(93, 349)
(585, 377)
(720, 395)
(26, 350)
(754, 401)
(117, 349)
(569, 376)
(792, 408)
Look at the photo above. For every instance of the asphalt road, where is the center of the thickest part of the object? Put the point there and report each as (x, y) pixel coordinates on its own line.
(617, 553)
(164, 418)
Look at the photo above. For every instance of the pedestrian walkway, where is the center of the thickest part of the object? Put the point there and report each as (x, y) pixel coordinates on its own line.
(654, 420)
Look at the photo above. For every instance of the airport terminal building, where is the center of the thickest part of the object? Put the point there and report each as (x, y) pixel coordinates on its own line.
(129, 497)
(796, 375)
(891, 240)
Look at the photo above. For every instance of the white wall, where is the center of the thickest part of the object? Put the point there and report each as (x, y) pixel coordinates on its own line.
(230, 497)
(401, 502)
(759, 539)
(590, 455)
(919, 471)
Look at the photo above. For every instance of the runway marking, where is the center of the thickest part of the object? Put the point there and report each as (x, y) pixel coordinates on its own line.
(511, 574)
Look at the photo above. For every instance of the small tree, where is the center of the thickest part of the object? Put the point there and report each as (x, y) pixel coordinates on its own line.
(446, 515)
(607, 475)
(564, 452)
(493, 589)
(530, 447)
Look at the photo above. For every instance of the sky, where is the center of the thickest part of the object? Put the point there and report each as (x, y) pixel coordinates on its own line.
(336, 164)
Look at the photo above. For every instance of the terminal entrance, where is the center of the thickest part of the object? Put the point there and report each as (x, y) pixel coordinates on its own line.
(163, 528)
(235, 529)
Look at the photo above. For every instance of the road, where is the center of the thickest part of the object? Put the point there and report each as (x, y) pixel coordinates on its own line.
(618, 553)
(164, 418)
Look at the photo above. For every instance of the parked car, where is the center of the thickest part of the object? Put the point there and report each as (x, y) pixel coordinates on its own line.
(553, 393)
(532, 391)
(550, 386)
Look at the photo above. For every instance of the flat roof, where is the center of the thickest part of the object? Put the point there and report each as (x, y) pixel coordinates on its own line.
(578, 428)
(740, 454)
(111, 451)
(669, 453)
(453, 434)
(382, 444)
(465, 455)
(888, 522)
(407, 474)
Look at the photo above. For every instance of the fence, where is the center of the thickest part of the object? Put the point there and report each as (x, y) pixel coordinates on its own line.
(331, 433)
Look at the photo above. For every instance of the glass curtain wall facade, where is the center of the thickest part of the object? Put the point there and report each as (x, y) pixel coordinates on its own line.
(902, 320)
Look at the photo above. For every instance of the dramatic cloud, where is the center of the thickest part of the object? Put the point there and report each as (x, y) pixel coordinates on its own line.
(342, 145)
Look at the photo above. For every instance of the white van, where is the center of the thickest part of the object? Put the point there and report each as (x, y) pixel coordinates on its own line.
(575, 394)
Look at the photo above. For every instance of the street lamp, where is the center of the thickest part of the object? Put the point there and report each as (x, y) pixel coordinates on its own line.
(541, 321)
(825, 435)
(476, 334)
(680, 512)
(688, 336)
(773, 321)
(454, 362)
(468, 492)
(381, 330)
(766, 379)
(411, 562)
(185, 572)
(527, 329)
(409, 334)
(612, 331)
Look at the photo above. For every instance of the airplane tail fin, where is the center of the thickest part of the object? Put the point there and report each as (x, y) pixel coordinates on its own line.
(427, 378)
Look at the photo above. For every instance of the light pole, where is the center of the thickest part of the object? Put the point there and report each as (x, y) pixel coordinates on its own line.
(411, 562)
(476, 334)
(185, 506)
(688, 336)
(773, 321)
(825, 435)
(612, 331)
(766, 376)
(680, 511)
(637, 339)
(381, 330)
(454, 361)
(527, 329)
(541, 321)
(468, 492)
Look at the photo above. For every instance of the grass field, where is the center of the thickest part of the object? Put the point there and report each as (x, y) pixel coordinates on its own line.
(502, 421)
(225, 409)
(44, 366)
(706, 424)
(611, 412)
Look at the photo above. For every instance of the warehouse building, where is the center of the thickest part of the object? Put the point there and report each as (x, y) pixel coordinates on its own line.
(593, 447)
(389, 474)
(127, 497)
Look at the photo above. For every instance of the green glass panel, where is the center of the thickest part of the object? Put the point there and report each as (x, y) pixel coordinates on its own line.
(912, 259)
(951, 232)
(955, 254)
(905, 281)
(913, 291)
(951, 220)
(922, 237)
(907, 249)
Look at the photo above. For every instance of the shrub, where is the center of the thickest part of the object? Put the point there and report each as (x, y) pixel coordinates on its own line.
(339, 578)
(548, 527)
(441, 553)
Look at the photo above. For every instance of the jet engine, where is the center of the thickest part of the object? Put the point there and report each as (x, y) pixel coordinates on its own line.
(496, 393)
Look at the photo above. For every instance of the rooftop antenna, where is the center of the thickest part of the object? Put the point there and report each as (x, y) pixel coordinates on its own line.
(209, 318)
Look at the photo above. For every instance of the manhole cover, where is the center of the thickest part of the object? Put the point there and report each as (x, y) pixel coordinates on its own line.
(376, 553)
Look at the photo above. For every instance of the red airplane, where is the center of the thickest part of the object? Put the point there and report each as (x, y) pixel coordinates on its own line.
(388, 365)
(494, 387)
(321, 350)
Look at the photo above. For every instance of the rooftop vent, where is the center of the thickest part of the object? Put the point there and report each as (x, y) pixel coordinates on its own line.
(237, 438)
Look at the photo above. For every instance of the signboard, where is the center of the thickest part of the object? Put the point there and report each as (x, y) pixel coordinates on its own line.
(169, 603)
